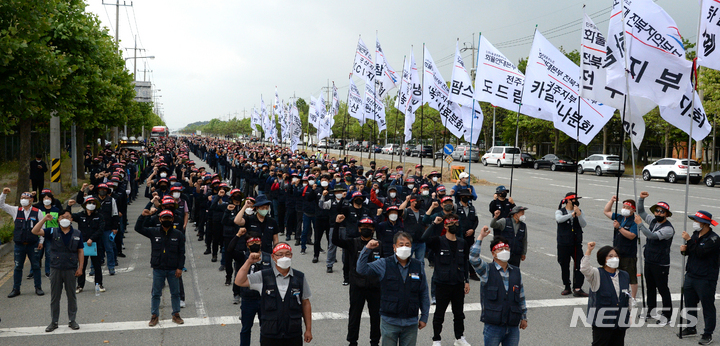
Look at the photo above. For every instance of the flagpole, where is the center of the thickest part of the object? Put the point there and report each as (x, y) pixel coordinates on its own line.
(442, 162)
(517, 131)
(397, 115)
(422, 104)
(472, 118)
(345, 123)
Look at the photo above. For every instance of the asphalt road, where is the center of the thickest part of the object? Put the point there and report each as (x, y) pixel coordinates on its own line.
(120, 315)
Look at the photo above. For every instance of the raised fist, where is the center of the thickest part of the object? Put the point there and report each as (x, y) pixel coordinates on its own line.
(6, 190)
(496, 214)
(372, 244)
(438, 220)
(591, 246)
(340, 218)
(644, 194)
(231, 207)
(146, 212)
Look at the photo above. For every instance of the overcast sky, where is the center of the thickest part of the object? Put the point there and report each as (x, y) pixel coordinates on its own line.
(214, 58)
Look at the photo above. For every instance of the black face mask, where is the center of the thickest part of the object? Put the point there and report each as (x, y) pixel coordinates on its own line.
(102, 192)
(447, 207)
(453, 229)
(576, 203)
(440, 196)
(254, 248)
(166, 223)
(357, 201)
(503, 194)
(163, 187)
(465, 199)
(659, 218)
(366, 232)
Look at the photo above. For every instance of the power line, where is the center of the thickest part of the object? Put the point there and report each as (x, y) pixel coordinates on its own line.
(109, 20)
(137, 29)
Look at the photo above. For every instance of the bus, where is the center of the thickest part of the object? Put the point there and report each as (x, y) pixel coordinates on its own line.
(159, 132)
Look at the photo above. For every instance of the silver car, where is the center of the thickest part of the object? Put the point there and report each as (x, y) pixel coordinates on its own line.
(463, 153)
(602, 164)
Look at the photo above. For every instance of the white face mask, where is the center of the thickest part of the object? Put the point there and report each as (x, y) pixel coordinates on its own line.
(377, 191)
(393, 217)
(435, 179)
(521, 218)
(324, 183)
(249, 211)
(305, 184)
(176, 195)
(338, 196)
(503, 255)
(337, 179)
(310, 182)
(625, 212)
(284, 263)
(697, 226)
(64, 223)
(613, 262)
(393, 194)
(425, 192)
(294, 180)
(403, 252)
(411, 186)
(163, 175)
(24, 202)
(47, 201)
(90, 207)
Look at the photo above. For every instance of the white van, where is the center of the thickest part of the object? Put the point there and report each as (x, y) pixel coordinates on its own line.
(502, 156)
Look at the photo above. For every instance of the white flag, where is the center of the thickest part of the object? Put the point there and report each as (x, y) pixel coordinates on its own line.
(435, 93)
(680, 116)
(404, 99)
(373, 107)
(363, 65)
(592, 56)
(709, 53)
(461, 88)
(335, 107)
(276, 104)
(321, 110)
(312, 112)
(387, 77)
(355, 103)
(472, 118)
(499, 82)
(658, 69)
(552, 83)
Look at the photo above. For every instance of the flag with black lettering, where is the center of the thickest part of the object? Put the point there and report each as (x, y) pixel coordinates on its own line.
(363, 65)
(312, 112)
(709, 54)
(461, 88)
(386, 76)
(355, 103)
(436, 92)
(373, 106)
(682, 116)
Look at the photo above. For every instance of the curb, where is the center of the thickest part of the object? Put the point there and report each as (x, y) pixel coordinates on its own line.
(6, 248)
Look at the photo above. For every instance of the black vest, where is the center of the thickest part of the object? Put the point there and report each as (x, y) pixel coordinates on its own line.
(64, 257)
(106, 211)
(281, 317)
(626, 248)
(569, 232)
(658, 251)
(401, 299)
(265, 263)
(449, 266)
(357, 279)
(516, 240)
(23, 227)
(501, 307)
(605, 297)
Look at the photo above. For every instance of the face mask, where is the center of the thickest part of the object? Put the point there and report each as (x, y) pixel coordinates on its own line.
(403, 252)
(613, 262)
(263, 212)
(47, 201)
(284, 263)
(393, 217)
(324, 183)
(659, 218)
(24, 202)
(357, 201)
(625, 212)
(393, 194)
(338, 196)
(503, 255)
(435, 179)
(465, 199)
(166, 223)
(503, 195)
(310, 182)
(697, 226)
(64, 223)
(425, 192)
(294, 180)
(411, 186)
(254, 248)
(90, 207)
(337, 180)
(176, 195)
(348, 179)
(366, 232)
(163, 175)
(521, 218)
(377, 191)
(447, 207)
(305, 184)
(102, 192)
(249, 211)
(576, 203)
(453, 229)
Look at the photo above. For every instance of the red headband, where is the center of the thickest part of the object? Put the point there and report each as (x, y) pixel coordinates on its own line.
(250, 240)
(663, 205)
(570, 197)
(500, 245)
(450, 220)
(628, 204)
(281, 246)
(705, 217)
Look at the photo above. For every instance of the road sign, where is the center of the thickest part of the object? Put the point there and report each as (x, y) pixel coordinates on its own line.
(448, 149)
(448, 159)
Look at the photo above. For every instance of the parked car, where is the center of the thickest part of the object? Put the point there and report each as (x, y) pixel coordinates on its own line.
(463, 153)
(712, 178)
(527, 160)
(672, 169)
(424, 150)
(375, 149)
(365, 146)
(391, 148)
(601, 164)
(354, 145)
(406, 148)
(338, 144)
(323, 144)
(555, 162)
(501, 156)
(439, 154)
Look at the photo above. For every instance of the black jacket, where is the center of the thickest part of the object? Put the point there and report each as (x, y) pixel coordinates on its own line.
(168, 248)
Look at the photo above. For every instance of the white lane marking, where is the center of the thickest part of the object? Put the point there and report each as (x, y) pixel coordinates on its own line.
(232, 320)
(710, 206)
(563, 186)
(131, 267)
(608, 186)
(199, 304)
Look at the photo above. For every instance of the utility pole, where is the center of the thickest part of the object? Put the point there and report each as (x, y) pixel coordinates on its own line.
(473, 49)
(74, 157)
(117, 42)
(55, 145)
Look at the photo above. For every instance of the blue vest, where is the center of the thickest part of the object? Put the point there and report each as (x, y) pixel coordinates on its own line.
(569, 232)
(64, 257)
(501, 307)
(605, 297)
(401, 299)
(450, 267)
(516, 240)
(281, 317)
(658, 251)
(265, 263)
(23, 227)
(626, 248)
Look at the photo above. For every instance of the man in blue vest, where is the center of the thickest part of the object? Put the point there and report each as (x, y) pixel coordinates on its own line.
(514, 229)
(404, 290)
(625, 238)
(570, 222)
(284, 298)
(502, 295)
(26, 243)
(66, 262)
